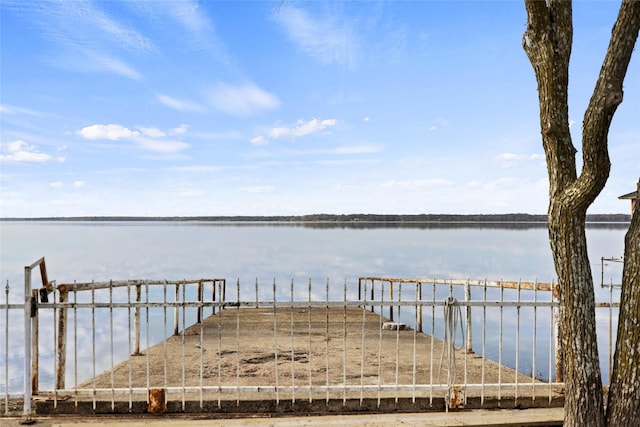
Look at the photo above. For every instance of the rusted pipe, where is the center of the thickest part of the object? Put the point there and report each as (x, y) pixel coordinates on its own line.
(61, 351)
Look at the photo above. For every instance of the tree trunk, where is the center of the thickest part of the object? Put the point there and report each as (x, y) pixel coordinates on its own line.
(547, 42)
(623, 408)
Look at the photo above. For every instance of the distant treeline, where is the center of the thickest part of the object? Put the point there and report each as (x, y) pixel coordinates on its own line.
(345, 218)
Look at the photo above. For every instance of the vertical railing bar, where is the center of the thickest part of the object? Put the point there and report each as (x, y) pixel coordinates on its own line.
(136, 321)
(344, 346)
(201, 350)
(419, 308)
(415, 343)
(26, 408)
(113, 393)
(391, 300)
(432, 335)
(147, 346)
(176, 311)
(380, 341)
(214, 283)
(219, 316)
(517, 339)
(326, 353)
(500, 342)
(75, 346)
(467, 295)
(57, 351)
(535, 341)
(35, 345)
(467, 344)
(362, 344)
(398, 343)
(183, 337)
(610, 329)
(293, 358)
(129, 344)
(93, 342)
(310, 347)
(238, 342)
(373, 296)
(200, 296)
(164, 332)
(6, 350)
(484, 340)
(275, 343)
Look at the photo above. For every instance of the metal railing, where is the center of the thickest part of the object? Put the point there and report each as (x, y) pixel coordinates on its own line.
(112, 345)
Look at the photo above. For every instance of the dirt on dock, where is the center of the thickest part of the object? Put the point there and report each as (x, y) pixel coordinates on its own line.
(346, 346)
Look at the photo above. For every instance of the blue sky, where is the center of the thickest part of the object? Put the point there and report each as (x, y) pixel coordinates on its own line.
(280, 108)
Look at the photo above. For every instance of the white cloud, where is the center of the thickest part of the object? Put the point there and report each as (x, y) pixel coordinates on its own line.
(324, 39)
(259, 140)
(79, 184)
(188, 14)
(301, 128)
(179, 104)
(12, 109)
(242, 100)
(163, 146)
(56, 184)
(180, 130)
(366, 119)
(152, 132)
(111, 132)
(20, 151)
(152, 139)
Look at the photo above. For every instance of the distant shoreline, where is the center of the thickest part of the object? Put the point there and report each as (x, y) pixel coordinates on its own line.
(339, 219)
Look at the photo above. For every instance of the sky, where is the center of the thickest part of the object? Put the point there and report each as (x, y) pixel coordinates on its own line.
(190, 108)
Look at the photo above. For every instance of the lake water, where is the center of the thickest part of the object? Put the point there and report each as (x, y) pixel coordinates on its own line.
(265, 252)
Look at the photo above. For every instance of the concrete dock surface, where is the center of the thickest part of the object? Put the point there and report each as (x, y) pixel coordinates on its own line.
(481, 417)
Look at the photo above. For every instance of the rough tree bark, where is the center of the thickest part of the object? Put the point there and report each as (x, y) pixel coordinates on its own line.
(547, 42)
(623, 408)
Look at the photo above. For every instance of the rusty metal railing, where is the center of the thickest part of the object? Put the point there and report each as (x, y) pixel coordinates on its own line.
(384, 339)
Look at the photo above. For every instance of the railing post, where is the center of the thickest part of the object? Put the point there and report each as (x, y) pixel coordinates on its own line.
(136, 322)
(26, 412)
(61, 352)
(35, 339)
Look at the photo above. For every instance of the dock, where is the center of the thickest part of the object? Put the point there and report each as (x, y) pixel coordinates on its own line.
(318, 360)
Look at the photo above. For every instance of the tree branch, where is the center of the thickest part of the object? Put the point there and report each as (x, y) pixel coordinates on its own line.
(607, 95)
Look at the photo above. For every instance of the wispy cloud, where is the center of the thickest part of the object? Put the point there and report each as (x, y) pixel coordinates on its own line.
(82, 33)
(179, 104)
(324, 38)
(20, 151)
(244, 99)
(152, 139)
(301, 128)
